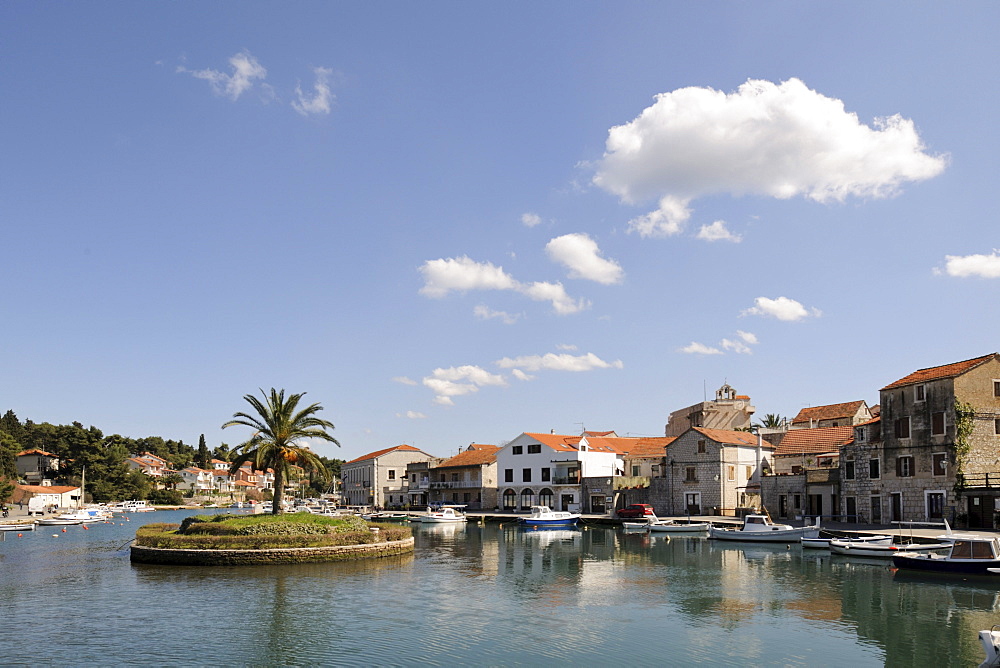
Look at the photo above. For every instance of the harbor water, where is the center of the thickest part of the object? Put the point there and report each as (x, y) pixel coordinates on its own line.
(491, 595)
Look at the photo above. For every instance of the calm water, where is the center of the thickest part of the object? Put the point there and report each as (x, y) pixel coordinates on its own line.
(492, 595)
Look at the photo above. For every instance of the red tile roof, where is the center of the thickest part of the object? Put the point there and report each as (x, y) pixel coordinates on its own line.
(653, 446)
(379, 453)
(814, 441)
(35, 451)
(486, 454)
(829, 412)
(559, 442)
(732, 437)
(938, 372)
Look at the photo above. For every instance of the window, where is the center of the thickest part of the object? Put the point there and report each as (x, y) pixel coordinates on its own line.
(902, 427)
(525, 475)
(517, 450)
(454, 477)
(509, 499)
(467, 497)
(860, 434)
(996, 426)
(749, 472)
(904, 466)
(546, 474)
(545, 497)
(689, 475)
(508, 475)
(919, 392)
(701, 447)
(635, 470)
(939, 462)
(849, 471)
(527, 498)
(413, 478)
(534, 448)
(937, 424)
(996, 388)
(730, 473)
(874, 470)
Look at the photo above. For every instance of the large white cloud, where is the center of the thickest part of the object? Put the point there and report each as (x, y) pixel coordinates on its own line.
(554, 362)
(322, 97)
(246, 70)
(781, 308)
(462, 274)
(965, 266)
(459, 381)
(778, 140)
(580, 254)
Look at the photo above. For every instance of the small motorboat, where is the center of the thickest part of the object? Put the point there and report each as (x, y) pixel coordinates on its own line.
(447, 515)
(990, 639)
(670, 526)
(885, 551)
(824, 543)
(69, 518)
(543, 516)
(17, 527)
(968, 554)
(760, 528)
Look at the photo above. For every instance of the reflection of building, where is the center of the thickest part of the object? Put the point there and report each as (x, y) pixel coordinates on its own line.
(379, 478)
(729, 411)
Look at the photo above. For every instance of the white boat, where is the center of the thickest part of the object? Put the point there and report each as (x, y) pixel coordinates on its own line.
(132, 507)
(885, 551)
(17, 527)
(670, 526)
(990, 638)
(760, 528)
(447, 515)
(69, 518)
(543, 516)
(824, 543)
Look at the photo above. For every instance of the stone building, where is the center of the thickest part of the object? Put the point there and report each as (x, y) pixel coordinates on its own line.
(729, 411)
(832, 415)
(379, 478)
(805, 477)
(923, 468)
(469, 478)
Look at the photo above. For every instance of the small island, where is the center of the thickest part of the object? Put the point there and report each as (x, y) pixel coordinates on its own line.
(226, 540)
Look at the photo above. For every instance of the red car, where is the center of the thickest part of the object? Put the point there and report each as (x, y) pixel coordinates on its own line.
(636, 510)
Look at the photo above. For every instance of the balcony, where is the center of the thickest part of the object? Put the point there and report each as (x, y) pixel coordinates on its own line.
(571, 480)
(457, 484)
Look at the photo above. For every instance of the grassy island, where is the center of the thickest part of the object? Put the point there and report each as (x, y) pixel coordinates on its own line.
(259, 539)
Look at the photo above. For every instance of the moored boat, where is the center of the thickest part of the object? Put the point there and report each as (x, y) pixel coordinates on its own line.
(967, 555)
(760, 528)
(859, 549)
(447, 515)
(990, 639)
(824, 543)
(543, 516)
(18, 527)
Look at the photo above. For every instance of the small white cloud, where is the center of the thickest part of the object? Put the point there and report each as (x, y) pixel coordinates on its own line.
(965, 266)
(459, 381)
(520, 375)
(580, 254)
(565, 346)
(717, 231)
(666, 221)
(403, 380)
(695, 348)
(321, 98)
(530, 219)
(486, 313)
(562, 303)
(554, 362)
(736, 346)
(411, 415)
(246, 70)
(747, 337)
(781, 308)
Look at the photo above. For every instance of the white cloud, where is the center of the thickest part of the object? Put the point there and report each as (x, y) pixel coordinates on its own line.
(554, 362)
(520, 375)
(246, 70)
(459, 381)
(411, 415)
(776, 140)
(403, 380)
(781, 308)
(322, 96)
(718, 231)
(462, 274)
(695, 348)
(747, 337)
(964, 266)
(486, 313)
(736, 346)
(530, 219)
(580, 254)
(565, 346)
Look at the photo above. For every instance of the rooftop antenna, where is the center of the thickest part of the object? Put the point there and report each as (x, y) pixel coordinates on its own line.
(582, 427)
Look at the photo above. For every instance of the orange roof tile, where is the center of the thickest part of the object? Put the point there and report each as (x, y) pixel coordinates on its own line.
(486, 454)
(379, 453)
(828, 412)
(815, 441)
(646, 446)
(35, 451)
(732, 437)
(938, 372)
(560, 442)
(48, 489)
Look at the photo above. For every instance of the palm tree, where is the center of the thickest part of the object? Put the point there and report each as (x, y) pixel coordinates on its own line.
(277, 426)
(771, 421)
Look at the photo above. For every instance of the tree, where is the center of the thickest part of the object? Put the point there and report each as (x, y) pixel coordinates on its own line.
(277, 428)
(202, 452)
(771, 421)
(171, 480)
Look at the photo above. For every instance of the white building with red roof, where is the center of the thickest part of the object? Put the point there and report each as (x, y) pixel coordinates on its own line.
(379, 478)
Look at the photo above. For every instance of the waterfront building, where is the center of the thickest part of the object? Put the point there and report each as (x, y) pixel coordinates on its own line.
(379, 478)
(914, 463)
(149, 464)
(196, 479)
(469, 478)
(36, 465)
(48, 495)
(729, 411)
(805, 474)
(832, 415)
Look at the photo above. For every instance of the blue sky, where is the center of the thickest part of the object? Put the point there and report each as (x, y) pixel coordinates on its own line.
(455, 222)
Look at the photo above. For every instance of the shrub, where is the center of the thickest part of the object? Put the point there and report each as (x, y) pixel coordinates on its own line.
(167, 536)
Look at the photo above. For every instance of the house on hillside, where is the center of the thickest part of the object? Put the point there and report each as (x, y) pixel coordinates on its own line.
(149, 464)
(940, 444)
(379, 478)
(833, 415)
(715, 471)
(35, 465)
(729, 411)
(469, 478)
(805, 477)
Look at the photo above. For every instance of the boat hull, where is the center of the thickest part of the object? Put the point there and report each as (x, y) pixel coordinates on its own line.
(880, 551)
(773, 536)
(694, 527)
(944, 566)
(562, 522)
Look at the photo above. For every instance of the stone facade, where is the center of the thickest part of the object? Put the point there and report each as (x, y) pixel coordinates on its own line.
(295, 555)
(729, 411)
